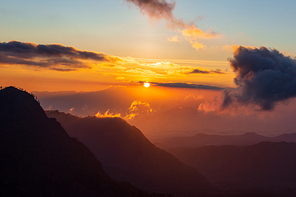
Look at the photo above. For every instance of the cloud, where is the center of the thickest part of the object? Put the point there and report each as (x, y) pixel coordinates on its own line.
(53, 56)
(227, 48)
(138, 108)
(212, 106)
(264, 77)
(144, 72)
(192, 96)
(196, 33)
(160, 69)
(193, 33)
(119, 78)
(174, 38)
(28, 50)
(161, 9)
(107, 114)
(186, 85)
(197, 45)
(199, 71)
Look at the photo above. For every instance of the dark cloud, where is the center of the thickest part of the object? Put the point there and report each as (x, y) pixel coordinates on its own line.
(30, 50)
(198, 71)
(155, 8)
(53, 56)
(158, 9)
(186, 85)
(264, 77)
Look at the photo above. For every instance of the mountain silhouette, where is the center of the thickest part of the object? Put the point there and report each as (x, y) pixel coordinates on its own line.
(199, 140)
(87, 103)
(127, 155)
(266, 165)
(38, 158)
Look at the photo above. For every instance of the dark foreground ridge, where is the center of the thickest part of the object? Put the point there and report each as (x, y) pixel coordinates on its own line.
(127, 155)
(38, 158)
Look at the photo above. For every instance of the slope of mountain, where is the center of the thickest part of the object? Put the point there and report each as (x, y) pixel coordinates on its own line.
(38, 158)
(267, 165)
(218, 140)
(126, 154)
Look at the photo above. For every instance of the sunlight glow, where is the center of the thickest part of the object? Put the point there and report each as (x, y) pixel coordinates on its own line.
(146, 85)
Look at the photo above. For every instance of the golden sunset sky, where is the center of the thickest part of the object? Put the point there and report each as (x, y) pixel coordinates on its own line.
(91, 45)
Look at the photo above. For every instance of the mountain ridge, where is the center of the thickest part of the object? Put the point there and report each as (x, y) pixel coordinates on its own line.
(266, 165)
(123, 148)
(38, 157)
(202, 139)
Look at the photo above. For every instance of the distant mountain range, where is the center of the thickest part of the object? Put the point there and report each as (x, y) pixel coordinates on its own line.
(38, 157)
(127, 155)
(263, 166)
(204, 140)
(87, 103)
(172, 114)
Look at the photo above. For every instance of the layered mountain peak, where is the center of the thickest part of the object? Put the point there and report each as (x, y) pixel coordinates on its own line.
(127, 155)
(38, 157)
(16, 102)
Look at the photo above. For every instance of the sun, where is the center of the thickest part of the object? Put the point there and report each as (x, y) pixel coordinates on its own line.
(146, 85)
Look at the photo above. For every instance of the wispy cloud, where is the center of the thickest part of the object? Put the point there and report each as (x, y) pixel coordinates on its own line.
(197, 45)
(199, 71)
(61, 58)
(145, 72)
(191, 96)
(196, 33)
(161, 9)
(174, 38)
(186, 85)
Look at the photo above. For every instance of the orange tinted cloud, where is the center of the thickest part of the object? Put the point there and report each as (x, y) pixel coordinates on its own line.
(194, 97)
(197, 45)
(143, 72)
(174, 38)
(161, 9)
(107, 114)
(138, 108)
(234, 48)
(195, 33)
(227, 48)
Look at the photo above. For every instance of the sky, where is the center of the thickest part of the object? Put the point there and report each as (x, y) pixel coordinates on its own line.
(228, 64)
(185, 41)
